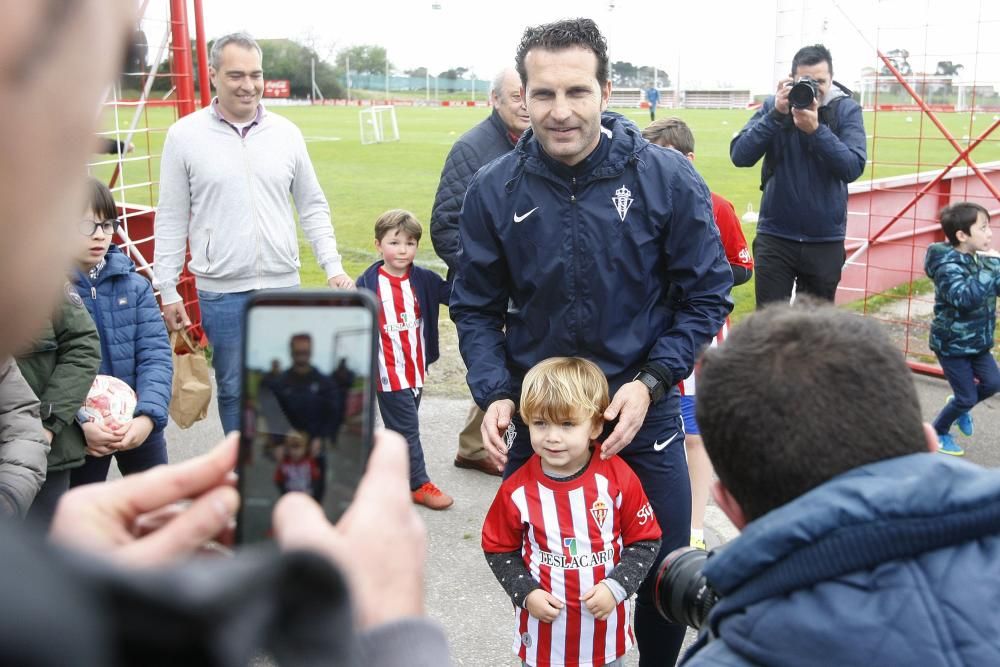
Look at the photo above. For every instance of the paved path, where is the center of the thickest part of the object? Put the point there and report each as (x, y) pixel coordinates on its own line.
(461, 591)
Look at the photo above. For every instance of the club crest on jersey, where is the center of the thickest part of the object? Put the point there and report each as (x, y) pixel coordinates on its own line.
(599, 510)
(510, 436)
(622, 201)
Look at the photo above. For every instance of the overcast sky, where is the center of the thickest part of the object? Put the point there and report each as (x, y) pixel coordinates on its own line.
(710, 43)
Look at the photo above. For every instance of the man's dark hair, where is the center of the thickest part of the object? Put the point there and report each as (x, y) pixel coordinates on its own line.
(563, 35)
(960, 217)
(812, 55)
(671, 132)
(797, 396)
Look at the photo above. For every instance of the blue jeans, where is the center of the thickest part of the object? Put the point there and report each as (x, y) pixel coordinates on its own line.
(656, 455)
(222, 320)
(962, 373)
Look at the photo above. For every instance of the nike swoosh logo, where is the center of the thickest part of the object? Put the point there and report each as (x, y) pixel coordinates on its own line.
(658, 446)
(519, 218)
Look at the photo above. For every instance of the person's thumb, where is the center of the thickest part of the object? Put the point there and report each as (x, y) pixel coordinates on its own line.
(298, 522)
(614, 407)
(203, 520)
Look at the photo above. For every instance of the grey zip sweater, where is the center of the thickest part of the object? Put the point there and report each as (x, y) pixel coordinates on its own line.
(228, 196)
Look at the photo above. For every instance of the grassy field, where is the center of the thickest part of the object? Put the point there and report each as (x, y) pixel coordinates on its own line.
(362, 181)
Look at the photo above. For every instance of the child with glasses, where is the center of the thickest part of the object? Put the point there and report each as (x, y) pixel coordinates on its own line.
(134, 345)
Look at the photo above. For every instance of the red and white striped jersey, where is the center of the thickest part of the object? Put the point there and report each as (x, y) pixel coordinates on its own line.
(687, 384)
(571, 536)
(401, 334)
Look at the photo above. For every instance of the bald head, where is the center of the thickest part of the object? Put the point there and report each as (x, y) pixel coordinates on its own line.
(508, 102)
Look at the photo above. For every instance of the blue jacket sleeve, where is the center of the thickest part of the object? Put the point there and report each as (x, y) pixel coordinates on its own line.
(750, 145)
(479, 303)
(154, 369)
(459, 168)
(699, 275)
(845, 153)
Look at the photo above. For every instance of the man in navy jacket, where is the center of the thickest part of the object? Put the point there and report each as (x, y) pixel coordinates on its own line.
(588, 241)
(858, 546)
(810, 155)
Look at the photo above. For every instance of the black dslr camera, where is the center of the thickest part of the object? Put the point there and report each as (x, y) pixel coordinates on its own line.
(803, 92)
(682, 594)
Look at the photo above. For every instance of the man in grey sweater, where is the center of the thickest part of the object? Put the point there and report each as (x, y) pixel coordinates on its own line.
(225, 176)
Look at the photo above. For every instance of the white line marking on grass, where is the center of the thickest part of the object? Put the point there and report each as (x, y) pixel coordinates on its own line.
(309, 139)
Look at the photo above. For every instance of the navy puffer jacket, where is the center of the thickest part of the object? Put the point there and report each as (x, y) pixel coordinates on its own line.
(481, 145)
(134, 343)
(893, 563)
(965, 300)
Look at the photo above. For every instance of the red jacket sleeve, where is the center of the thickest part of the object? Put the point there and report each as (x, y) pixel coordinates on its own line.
(733, 239)
(502, 529)
(637, 519)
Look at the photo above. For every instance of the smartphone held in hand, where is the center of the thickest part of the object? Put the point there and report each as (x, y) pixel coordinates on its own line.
(307, 401)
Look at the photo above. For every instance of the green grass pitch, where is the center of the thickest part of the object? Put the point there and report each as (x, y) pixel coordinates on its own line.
(363, 181)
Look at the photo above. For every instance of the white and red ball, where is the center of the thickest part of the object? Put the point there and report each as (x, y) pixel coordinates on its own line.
(110, 401)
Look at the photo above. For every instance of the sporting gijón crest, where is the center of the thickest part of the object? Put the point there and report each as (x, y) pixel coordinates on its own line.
(599, 510)
(622, 201)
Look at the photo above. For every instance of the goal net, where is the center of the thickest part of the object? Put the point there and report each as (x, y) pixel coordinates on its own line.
(378, 124)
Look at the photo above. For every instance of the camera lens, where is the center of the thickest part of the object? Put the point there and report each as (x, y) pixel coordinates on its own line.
(802, 94)
(682, 592)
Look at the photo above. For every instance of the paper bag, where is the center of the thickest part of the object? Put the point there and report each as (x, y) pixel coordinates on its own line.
(192, 388)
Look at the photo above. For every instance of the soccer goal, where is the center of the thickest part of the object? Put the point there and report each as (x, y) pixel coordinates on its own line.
(378, 124)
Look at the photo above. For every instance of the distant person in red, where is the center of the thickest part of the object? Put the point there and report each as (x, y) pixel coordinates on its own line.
(298, 470)
(674, 133)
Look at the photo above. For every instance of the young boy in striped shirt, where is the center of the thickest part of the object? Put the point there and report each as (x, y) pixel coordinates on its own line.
(408, 337)
(570, 536)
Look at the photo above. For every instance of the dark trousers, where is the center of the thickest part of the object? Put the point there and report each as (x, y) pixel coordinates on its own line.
(149, 454)
(399, 413)
(813, 268)
(962, 373)
(43, 507)
(664, 476)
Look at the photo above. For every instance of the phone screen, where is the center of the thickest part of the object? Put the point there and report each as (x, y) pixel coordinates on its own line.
(307, 402)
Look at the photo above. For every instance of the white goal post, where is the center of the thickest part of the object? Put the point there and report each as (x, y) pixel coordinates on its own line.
(378, 124)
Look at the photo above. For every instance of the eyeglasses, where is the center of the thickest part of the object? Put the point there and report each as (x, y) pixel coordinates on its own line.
(89, 227)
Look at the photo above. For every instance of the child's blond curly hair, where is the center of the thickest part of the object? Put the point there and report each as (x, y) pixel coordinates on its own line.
(560, 388)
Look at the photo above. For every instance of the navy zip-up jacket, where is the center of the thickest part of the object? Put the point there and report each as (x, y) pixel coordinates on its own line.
(134, 343)
(805, 199)
(617, 260)
(432, 292)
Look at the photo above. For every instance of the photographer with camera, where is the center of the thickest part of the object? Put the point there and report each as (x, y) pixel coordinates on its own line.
(858, 547)
(811, 136)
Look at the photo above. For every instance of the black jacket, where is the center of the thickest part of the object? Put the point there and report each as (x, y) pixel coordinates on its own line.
(479, 146)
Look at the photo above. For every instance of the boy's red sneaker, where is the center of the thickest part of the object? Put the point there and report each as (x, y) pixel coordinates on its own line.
(432, 497)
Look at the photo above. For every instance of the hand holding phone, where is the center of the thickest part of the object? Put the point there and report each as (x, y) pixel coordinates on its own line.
(308, 402)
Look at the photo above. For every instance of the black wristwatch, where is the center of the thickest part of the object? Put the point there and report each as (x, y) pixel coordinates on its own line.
(656, 388)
